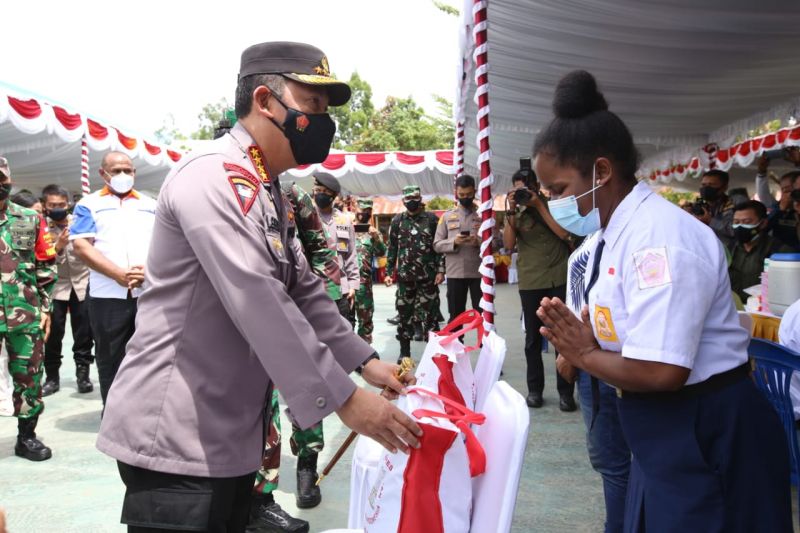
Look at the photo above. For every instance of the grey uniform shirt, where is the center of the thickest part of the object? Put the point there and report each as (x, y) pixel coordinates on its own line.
(460, 261)
(342, 238)
(230, 308)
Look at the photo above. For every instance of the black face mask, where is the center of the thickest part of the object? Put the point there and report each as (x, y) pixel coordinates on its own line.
(708, 193)
(5, 190)
(310, 135)
(323, 200)
(412, 205)
(57, 214)
(467, 202)
(744, 235)
(363, 217)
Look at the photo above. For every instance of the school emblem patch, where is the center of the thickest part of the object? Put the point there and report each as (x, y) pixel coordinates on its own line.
(604, 325)
(652, 268)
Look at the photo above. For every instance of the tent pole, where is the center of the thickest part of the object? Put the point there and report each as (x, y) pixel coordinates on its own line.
(85, 190)
(481, 58)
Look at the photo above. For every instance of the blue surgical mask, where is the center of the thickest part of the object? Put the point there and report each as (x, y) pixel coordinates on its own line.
(565, 212)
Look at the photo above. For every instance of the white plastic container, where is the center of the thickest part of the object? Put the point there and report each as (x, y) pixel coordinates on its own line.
(784, 282)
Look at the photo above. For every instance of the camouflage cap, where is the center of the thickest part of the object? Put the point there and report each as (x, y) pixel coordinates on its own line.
(410, 190)
(365, 203)
(4, 170)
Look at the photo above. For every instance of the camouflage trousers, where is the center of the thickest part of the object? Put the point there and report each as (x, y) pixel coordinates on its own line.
(416, 302)
(365, 307)
(303, 443)
(25, 364)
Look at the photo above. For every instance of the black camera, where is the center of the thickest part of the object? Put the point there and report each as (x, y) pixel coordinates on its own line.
(522, 196)
(699, 208)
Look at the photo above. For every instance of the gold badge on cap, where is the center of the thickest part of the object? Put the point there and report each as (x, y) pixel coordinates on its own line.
(323, 69)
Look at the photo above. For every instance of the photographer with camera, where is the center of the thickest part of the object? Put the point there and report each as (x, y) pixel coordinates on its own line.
(783, 222)
(715, 208)
(544, 248)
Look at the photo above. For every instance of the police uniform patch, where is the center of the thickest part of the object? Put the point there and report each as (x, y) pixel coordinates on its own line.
(652, 268)
(604, 325)
(245, 187)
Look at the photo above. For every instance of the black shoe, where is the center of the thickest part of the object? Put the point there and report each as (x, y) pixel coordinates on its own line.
(394, 320)
(534, 400)
(82, 378)
(28, 446)
(308, 494)
(266, 516)
(418, 332)
(51, 386)
(405, 349)
(567, 404)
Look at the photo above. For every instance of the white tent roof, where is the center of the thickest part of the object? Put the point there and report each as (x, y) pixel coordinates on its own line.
(680, 73)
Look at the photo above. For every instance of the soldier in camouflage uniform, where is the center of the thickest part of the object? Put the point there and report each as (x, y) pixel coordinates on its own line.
(27, 278)
(266, 512)
(369, 245)
(419, 268)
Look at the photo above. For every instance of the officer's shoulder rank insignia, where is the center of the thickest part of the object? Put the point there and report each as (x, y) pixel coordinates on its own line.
(244, 184)
(257, 159)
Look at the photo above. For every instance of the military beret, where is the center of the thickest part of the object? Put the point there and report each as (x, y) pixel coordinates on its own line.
(300, 62)
(328, 181)
(410, 190)
(365, 203)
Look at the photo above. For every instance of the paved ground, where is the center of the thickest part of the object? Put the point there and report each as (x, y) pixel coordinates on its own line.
(78, 490)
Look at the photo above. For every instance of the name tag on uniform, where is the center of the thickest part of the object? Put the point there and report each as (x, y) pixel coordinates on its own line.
(453, 224)
(652, 268)
(604, 325)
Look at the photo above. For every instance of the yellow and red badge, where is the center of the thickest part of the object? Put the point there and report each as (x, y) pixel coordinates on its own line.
(44, 249)
(244, 185)
(604, 325)
(257, 158)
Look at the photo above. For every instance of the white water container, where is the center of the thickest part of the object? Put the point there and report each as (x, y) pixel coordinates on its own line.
(784, 282)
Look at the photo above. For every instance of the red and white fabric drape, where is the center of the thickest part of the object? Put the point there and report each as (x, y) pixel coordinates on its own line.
(481, 59)
(339, 164)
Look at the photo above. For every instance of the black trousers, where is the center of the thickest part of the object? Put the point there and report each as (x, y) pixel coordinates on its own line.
(81, 334)
(349, 313)
(457, 289)
(533, 339)
(113, 323)
(156, 501)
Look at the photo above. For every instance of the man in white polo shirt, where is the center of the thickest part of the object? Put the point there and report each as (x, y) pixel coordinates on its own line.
(111, 232)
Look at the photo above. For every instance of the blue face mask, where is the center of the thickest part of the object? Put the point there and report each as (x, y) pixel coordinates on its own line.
(565, 212)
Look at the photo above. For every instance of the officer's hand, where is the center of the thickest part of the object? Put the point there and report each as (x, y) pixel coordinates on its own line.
(351, 297)
(375, 417)
(460, 240)
(63, 240)
(135, 276)
(474, 241)
(383, 375)
(388, 281)
(45, 326)
(373, 232)
(566, 370)
(439, 279)
(571, 337)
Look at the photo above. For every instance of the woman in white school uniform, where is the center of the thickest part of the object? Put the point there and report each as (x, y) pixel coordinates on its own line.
(659, 324)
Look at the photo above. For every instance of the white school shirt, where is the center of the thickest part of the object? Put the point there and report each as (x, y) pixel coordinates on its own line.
(662, 293)
(121, 229)
(789, 335)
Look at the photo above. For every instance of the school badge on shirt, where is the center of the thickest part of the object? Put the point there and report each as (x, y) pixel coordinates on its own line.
(652, 268)
(604, 325)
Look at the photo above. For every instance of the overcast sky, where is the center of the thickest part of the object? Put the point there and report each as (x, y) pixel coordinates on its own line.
(133, 63)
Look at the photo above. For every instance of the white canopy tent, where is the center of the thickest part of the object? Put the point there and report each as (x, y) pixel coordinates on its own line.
(680, 73)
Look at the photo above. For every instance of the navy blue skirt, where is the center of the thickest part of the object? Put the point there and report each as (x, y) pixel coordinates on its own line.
(714, 462)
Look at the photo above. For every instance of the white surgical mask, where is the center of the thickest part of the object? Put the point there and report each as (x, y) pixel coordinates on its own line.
(565, 212)
(122, 183)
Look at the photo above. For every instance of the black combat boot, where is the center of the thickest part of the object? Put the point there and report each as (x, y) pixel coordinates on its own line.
(52, 384)
(266, 516)
(394, 320)
(28, 446)
(308, 494)
(405, 349)
(82, 378)
(418, 331)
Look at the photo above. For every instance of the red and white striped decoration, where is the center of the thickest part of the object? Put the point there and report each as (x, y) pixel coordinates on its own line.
(85, 189)
(458, 151)
(711, 150)
(481, 59)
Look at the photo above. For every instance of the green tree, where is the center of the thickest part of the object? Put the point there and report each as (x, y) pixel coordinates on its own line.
(402, 124)
(437, 203)
(209, 117)
(446, 8)
(677, 198)
(355, 117)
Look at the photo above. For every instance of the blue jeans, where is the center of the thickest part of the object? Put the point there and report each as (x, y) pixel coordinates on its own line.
(608, 451)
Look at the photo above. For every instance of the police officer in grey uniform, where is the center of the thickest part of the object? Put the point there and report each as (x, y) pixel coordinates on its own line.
(457, 237)
(232, 308)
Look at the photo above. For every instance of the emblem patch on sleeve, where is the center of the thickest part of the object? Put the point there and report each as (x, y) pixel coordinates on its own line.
(604, 325)
(652, 268)
(245, 186)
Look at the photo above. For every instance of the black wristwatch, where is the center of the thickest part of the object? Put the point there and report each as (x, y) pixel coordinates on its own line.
(360, 368)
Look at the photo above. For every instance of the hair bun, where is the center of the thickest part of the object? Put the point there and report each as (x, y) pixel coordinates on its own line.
(577, 96)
